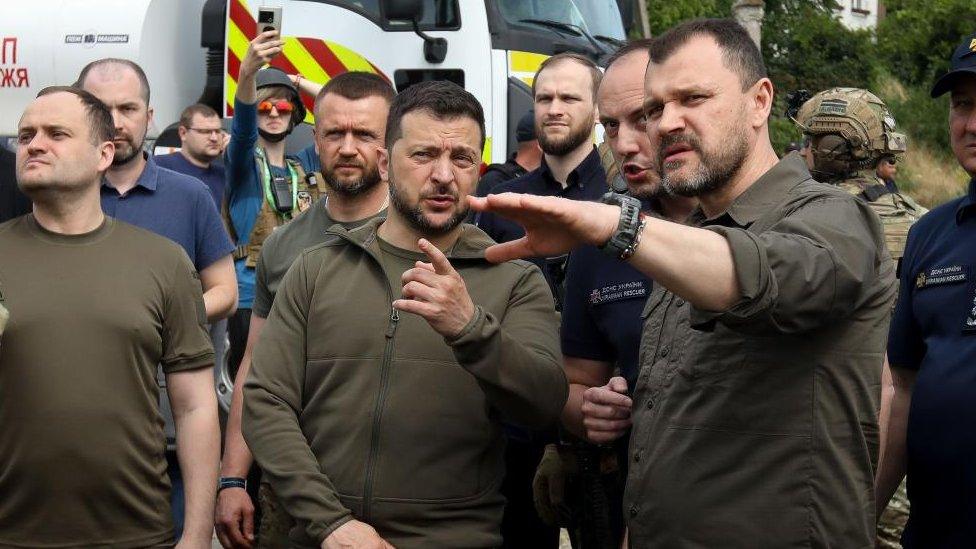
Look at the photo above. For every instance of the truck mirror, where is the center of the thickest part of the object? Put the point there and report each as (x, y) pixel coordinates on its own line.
(435, 49)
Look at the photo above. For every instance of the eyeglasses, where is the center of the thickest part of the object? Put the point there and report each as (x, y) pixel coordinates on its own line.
(207, 131)
(282, 106)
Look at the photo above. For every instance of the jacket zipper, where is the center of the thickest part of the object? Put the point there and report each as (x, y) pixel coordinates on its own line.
(380, 401)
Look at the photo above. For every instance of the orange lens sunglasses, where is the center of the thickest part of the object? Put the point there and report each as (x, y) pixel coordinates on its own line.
(282, 106)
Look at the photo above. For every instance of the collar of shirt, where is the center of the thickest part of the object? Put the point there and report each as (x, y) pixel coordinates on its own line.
(148, 179)
(766, 192)
(583, 174)
(967, 206)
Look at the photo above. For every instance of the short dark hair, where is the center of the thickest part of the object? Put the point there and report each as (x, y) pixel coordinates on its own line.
(141, 74)
(739, 52)
(595, 73)
(101, 128)
(640, 44)
(355, 85)
(440, 98)
(206, 111)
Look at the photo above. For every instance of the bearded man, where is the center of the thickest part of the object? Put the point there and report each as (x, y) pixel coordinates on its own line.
(394, 351)
(350, 123)
(564, 90)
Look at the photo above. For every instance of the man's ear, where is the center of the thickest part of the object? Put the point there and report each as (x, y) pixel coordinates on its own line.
(106, 153)
(762, 101)
(383, 163)
(182, 132)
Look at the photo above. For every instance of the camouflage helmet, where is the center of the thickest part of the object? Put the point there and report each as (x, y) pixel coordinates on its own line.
(851, 130)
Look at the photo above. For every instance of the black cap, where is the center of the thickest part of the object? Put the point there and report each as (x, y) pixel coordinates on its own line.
(525, 131)
(963, 61)
(272, 76)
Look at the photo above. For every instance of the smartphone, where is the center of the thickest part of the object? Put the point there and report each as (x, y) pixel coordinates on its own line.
(269, 19)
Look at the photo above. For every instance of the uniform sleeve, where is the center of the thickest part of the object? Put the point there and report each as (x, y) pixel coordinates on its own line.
(811, 268)
(906, 348)
(212, 240)
(273, 396)
(186, 342)
(516, 358)
(263, 296)
(580, 336)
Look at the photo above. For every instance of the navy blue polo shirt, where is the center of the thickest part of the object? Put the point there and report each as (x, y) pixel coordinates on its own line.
(212, 176)
(587, 182)
(934, 332)
(173, 205)
(601, 310)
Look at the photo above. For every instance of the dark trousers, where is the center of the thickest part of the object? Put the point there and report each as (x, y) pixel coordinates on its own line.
(521, 525)
(237, 327)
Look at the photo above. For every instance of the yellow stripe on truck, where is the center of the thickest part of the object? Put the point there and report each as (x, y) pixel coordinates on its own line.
(524, 64)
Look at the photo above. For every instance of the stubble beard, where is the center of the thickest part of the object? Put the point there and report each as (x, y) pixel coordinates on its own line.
(366, 182)
(714, 171)
(561, 146)
(415, 216)
(123, 156)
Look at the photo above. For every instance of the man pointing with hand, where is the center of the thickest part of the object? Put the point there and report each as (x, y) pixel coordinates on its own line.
(394, 351)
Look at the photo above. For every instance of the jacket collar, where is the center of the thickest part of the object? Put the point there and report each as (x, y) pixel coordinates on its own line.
(768, 191)
(471, 243)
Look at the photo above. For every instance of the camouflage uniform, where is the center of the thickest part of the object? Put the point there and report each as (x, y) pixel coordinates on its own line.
(851, 130)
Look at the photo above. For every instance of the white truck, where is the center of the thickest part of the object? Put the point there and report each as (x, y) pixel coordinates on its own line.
(191, 51)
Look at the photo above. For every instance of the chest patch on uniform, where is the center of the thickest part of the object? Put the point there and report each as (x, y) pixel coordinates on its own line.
(970, 326)
(618, 292)
(939, 276)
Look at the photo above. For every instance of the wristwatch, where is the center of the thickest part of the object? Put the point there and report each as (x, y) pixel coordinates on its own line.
(623, 242)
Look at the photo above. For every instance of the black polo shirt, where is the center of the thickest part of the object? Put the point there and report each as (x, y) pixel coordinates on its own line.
(601, 310)
(587, 182)
(934, 332)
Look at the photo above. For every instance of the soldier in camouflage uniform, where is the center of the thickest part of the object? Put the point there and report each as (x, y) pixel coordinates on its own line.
(851, 131)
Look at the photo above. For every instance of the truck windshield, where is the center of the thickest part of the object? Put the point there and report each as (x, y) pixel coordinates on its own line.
(438, 14)
(597, 17)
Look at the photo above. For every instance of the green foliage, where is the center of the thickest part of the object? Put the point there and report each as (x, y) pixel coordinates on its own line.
(916, 37)
(664, 14)
(806, 47)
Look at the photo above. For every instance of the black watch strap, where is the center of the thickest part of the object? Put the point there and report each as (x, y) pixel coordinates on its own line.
(231, 482)
(623, 241)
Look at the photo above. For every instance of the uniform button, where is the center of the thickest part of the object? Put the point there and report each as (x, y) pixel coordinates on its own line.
(664, 351)
(679, 302)
(634, 510)
(650, 404)
(637, 456)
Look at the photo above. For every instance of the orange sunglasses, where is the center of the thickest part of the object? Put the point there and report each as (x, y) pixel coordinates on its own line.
(282, 106)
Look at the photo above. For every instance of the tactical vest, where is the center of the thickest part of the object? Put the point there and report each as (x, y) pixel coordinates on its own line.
(897, 212)
(306, 190)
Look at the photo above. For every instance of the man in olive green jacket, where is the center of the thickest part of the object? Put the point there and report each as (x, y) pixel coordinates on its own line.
(377, 390)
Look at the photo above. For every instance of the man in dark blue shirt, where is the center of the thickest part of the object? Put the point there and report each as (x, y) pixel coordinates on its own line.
(201, 144)
(564, 89)
(601, 325)
(932, 348)
(565, 113)
(179, 207)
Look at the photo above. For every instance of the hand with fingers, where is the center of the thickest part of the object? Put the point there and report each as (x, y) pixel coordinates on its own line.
(355, 535)
(606, 411)
(234, 519)
(260, 52)
(553, 225)
(436, 292)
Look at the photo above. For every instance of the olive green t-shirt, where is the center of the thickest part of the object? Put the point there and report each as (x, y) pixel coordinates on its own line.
(82, 459)
(285, 244)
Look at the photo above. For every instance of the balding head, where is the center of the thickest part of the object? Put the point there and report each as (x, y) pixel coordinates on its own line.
(112, 68)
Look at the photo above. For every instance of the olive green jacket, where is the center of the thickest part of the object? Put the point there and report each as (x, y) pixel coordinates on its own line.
(354, 410)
